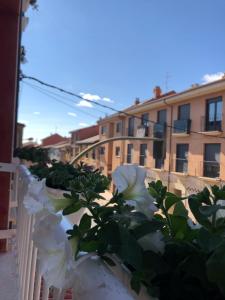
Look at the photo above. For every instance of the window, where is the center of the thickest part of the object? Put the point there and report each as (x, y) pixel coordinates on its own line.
(102, 150)
(117, 151)
(184, 112)
(145, 122)
(129, 153)
(118, 127)
(159, 154)
(103, 130)
(86, 155)
(182, 158)
(211, 165)
(213, 120)
(93, 154)
(131, 126)
(183, 122)
(161, 116)
(143, 154)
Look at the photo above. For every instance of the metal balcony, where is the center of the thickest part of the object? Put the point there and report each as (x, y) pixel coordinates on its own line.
(181, 127)
(159, 130)
(208, 125)
(211, 169)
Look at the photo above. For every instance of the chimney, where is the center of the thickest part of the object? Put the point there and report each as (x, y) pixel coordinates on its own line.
(137, 101)
(157, 92)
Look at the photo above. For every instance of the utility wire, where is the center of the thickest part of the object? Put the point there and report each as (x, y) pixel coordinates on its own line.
(22, 76)
(60, 96)
(57, 99)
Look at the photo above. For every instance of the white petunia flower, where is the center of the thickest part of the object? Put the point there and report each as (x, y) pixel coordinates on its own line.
(153, 241)
(55, 254)
(130, 180)
(36, 199)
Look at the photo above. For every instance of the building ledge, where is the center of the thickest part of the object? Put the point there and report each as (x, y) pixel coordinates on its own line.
(212, 133)
(182, 134)
(158, 170)
(180, 174)
(217, 179)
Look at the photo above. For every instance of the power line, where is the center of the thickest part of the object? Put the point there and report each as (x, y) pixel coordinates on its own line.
(57, 99)
(106, 106)
(56, 94)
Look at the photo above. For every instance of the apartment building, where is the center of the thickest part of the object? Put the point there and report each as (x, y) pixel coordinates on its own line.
(190, 124)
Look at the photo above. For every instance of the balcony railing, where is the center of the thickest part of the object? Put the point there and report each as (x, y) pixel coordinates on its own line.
(211, 169)
(142, 131)
(181, 165)
(159, 130)
(207, 125)
(181, 126)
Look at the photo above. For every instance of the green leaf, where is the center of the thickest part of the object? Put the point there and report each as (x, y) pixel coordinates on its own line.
(180, 210)
(153, 192)
(89, 246)
(72, 208)
(209, 210)
(146, 227)
(194, 205)
(216, 267)
(130, 251)
(85, 223)
(208, 241)
(170, 200)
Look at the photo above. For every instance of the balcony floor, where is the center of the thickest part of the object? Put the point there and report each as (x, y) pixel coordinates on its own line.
(8, 277)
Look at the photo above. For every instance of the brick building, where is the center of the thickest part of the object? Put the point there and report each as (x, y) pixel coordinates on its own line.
(191, 125)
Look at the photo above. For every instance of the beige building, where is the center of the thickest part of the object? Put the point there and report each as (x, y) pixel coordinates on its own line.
(191, 125)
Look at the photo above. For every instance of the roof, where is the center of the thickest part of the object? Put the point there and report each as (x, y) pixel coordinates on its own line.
(90, 140)
(83, 129)
(53, 139)
(171, 96)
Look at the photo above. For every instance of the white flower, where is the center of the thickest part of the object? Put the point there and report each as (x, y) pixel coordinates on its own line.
(153, 241)
(55, 254)
(130, 180)
(36, 199)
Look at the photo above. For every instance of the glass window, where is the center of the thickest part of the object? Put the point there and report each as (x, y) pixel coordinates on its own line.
(143, 154)
(102, 150)
(131, 126)
(129, 153)
(159, 154)
(161, 116)
(118, 127)
(211, 166)
(103, 130)
(184, 112)
(117, 150)
(182, 158)
(213, 120)
(86, 155)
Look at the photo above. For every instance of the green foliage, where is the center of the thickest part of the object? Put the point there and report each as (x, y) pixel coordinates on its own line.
(33, 154)
(193, 263)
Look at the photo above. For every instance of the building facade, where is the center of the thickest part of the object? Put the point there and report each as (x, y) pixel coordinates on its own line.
(190, 125)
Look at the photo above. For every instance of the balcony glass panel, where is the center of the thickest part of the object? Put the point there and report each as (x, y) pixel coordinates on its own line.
(159, 130)
(181, 126)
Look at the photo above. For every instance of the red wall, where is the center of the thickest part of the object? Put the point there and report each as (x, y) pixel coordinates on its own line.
(53, 139)
(9, 37)
(85, 133)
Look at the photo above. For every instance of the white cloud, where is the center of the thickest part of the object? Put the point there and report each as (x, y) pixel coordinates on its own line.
(207, 78)
(36, 113)
(84, 103)
(83, 124)
(107, 99)
(25, 122)
(90, 97)
(72, 114)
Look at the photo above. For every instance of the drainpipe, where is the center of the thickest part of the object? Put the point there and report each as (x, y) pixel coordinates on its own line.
(170, 143)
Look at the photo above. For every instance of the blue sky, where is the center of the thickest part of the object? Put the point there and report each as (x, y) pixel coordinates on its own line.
(114, 51)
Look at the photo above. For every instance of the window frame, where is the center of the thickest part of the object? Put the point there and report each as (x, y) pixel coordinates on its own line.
(130, 149)
(143, 154)
(182, 159)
